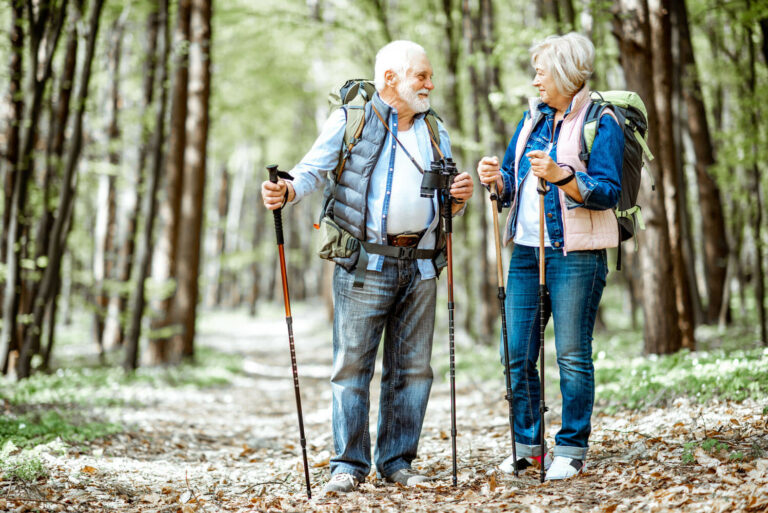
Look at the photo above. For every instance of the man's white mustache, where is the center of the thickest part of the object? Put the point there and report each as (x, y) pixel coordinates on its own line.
(423, 91)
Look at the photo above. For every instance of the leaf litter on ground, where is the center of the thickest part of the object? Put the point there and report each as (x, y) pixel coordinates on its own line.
(235, 447)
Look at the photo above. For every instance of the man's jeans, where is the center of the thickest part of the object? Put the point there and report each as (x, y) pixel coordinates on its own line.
(399, 303)
(575, 282)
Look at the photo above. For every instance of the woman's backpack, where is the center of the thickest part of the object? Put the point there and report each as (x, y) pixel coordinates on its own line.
(632, 116)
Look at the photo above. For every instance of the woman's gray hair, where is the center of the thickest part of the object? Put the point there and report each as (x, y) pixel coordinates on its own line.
(396, 56)
(569, 59)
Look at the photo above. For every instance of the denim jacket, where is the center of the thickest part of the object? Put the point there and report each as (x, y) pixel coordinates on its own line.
(599, 186)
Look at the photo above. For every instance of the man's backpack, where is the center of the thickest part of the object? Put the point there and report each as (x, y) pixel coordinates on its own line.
(353, 96)
(632, 116)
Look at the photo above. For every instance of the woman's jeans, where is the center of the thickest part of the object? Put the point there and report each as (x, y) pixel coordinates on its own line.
(575, 282)
(397, 302)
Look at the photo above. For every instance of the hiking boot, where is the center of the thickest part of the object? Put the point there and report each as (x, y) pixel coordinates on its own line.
(563, 468)
(407, 477)
(524, 463)
(340, 483)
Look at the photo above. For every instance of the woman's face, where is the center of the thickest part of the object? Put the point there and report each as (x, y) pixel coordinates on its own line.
(548, 92)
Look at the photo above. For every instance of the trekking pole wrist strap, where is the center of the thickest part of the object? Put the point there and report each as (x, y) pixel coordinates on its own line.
(568, 178)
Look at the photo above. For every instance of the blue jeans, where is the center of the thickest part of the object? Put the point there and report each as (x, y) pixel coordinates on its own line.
(397, 302)
(575, 282)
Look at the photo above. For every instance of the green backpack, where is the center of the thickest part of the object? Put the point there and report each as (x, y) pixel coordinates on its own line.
(632, 116)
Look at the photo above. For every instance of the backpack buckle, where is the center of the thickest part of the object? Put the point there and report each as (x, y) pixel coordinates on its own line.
(406, 253)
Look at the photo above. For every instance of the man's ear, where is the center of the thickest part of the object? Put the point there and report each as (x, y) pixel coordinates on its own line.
(391, 78)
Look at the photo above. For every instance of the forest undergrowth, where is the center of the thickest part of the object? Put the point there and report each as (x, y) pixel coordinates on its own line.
(685, 432)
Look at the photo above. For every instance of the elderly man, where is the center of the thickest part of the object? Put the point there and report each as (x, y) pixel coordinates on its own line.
(377, 201)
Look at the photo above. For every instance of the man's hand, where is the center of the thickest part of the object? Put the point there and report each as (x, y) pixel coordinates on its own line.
(462, 187)
(273, 194)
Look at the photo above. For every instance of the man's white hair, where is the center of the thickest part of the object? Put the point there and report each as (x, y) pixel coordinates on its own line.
(396, 56)
(569, 59)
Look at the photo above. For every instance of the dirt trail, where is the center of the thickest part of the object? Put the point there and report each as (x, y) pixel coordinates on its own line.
(235, 448)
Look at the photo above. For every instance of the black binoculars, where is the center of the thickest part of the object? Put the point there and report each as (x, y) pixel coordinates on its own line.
(439, 177)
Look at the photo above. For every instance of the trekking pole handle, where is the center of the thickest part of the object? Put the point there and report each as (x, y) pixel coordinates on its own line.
(273, 176)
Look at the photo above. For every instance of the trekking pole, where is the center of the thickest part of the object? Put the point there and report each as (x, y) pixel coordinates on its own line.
(273, 176)
(447, 201)
(496, 208)
(542, 190)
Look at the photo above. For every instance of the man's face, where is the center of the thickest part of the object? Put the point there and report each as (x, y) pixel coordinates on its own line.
(414, 88)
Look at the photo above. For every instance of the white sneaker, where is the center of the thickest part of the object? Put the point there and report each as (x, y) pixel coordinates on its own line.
(340, 483)
(407, 477)
(507, 466)
(563, 468)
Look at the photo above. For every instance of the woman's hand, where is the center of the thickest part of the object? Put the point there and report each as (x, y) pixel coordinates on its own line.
(544, 167)
(489, 171)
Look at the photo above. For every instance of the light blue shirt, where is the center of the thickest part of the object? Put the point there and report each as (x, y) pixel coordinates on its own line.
(310, 175)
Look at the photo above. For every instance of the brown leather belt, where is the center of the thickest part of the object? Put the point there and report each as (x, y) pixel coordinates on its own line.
(404, 240)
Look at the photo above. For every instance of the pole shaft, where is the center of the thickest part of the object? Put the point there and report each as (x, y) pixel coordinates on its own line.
(451, 350)
(294, 366)
(504, 334)
(542, 319)
(289, 322)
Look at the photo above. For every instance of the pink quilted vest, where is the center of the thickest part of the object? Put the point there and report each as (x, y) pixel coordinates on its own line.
(583, 229)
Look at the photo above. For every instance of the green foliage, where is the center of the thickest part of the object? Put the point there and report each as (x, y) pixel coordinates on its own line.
(638, 382)
(103, 385)
(46, 425)
(688, 449)
(23, 468)
(713, 445)
(710, 445)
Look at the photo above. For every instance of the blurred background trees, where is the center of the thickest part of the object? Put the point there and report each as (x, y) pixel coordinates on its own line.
(133, 140)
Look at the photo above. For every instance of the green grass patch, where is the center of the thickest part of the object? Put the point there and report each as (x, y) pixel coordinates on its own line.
(106, 385)
(26, 468)
(703, 375)
(41, 427)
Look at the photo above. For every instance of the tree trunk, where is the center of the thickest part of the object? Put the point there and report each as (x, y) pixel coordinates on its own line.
(188, 265)
(138, 300)
(60, 229)
(115, 330)
(232, 243)
(174, 176)
(106, 220)
(715, 245)
(15, 120)
(218, 275)
(661, 333)
(756, 190)
(666, 153)
(48, 29)
(567, 14)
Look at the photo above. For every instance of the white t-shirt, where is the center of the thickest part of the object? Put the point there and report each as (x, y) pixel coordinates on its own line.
(527, 230)
(408, 211)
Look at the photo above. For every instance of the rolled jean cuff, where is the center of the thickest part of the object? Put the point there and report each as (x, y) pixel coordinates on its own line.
(526, 451)
(576, 453)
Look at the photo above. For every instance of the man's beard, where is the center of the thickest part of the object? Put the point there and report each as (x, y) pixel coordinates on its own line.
(411, 97)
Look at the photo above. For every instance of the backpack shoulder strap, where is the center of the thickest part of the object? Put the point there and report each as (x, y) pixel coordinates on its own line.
(589, 128)
(355, 112)
(434, 134)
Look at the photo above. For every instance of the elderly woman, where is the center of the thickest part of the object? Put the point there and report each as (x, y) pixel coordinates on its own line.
(579, 225)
